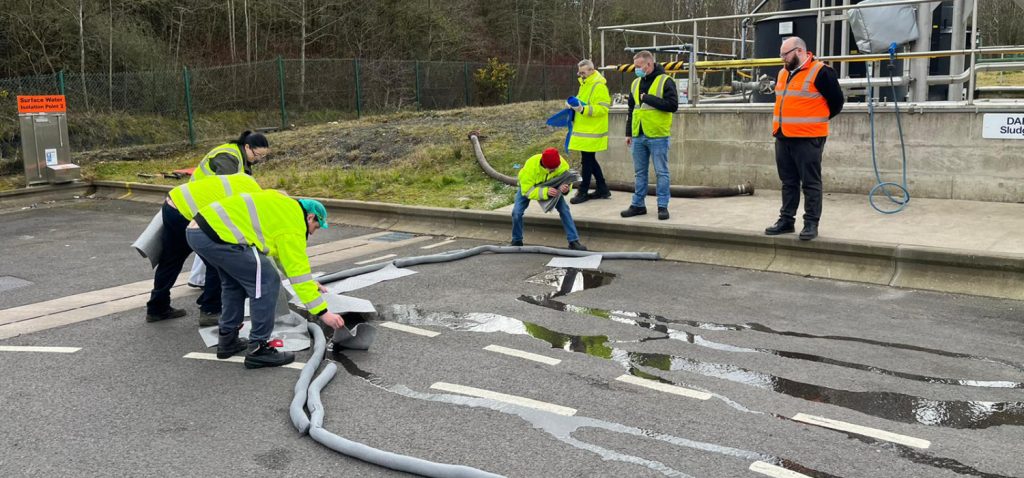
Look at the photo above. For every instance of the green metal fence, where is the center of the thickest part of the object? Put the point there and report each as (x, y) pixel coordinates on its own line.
(197, 102)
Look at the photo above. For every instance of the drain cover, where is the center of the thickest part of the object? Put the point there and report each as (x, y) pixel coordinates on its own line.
(10, 283)
(394, 237)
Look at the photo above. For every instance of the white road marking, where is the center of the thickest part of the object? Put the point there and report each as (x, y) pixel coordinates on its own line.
(375, 259)
(521, 354)
(862, 430)
(439, 244)
(27, 348)
(664, 387)
(235, 359)
(504, 398)
(410, 329)
(774, 471)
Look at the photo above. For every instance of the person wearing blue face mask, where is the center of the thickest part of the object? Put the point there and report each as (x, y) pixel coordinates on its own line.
(652, 102)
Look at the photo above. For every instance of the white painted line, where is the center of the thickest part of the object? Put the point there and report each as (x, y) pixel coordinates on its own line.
(774, 471)
(410, 329)
(439, 244)
(375, 259)
(26, 348)
(501, 397)
(521, 354)
(235, 359)
(664, 387)
(861, 430)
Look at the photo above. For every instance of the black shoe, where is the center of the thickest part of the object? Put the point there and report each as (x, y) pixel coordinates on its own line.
(170, 313)
(810, 231)
(634, 211)
(781, 226)
(662, 213)
(600, 194)
(260, 354)
(516, 243)
(576, 246)
(208, 319)
(229, 345)
(579, 197)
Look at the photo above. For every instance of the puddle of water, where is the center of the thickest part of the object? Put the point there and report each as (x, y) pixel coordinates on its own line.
(656, 323)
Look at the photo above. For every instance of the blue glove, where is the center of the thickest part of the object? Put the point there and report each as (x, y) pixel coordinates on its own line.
(574, 101)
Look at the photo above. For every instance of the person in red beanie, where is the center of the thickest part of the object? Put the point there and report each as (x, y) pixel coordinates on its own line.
(538, 170)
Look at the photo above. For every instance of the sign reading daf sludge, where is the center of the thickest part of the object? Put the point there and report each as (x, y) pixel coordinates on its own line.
(1003, 126)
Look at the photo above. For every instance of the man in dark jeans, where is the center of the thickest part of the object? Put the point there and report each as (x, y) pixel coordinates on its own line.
(807, 96)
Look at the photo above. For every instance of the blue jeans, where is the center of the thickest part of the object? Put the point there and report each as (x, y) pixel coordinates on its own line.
(522, 202)
(644, 150)
(237, 268)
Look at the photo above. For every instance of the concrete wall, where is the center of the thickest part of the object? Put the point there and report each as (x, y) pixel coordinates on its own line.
(719, 145)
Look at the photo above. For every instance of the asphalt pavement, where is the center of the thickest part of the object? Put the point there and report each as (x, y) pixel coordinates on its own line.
(740, 361)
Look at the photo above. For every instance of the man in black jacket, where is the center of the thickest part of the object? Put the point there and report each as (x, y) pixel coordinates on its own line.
(652, 102)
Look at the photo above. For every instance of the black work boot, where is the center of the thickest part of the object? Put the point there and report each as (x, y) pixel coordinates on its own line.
(260, 354)
(601, 193)
(577, 246)
(580, 197)
(633, 211)
(810, 231)
(516, 243)
(663, 213)
(229, 345)
(170, 313)
(782, 226)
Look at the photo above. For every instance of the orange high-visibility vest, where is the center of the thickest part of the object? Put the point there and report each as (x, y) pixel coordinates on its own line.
(800, 110)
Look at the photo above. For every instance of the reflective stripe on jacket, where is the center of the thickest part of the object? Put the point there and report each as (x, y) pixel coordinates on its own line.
(590, 126)
(190, 197)
(800, 109)
(534, 174)
(204, 169)
(276, 226)
(656, 123)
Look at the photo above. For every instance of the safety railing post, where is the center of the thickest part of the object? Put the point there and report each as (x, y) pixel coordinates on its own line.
(188, 106)
(359, 90)
(280, 83)
(465, 80)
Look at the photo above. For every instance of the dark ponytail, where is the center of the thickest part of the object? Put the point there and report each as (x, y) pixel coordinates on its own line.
(254, 140)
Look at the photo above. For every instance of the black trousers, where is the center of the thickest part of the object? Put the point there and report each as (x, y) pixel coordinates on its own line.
(591, 168)
(799, 163)
(172, 258)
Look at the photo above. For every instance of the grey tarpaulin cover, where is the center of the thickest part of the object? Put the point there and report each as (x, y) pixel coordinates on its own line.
(875, 28)
(148, 244)
(567, 177)
(290, 328)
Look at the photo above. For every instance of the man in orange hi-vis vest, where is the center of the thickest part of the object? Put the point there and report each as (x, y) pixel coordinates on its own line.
(807, 96)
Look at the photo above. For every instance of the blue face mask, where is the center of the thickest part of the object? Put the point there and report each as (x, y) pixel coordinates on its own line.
(639, 72)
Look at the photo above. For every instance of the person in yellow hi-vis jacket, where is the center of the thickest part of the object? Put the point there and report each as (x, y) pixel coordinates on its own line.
(239, 235)
(590, 130)
(235, 157)
(179, 208)
(537, 172)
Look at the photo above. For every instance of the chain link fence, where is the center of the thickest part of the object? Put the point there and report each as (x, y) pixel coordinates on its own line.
(197, 104)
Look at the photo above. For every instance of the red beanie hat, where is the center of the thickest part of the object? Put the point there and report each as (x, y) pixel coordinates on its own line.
(550, 158)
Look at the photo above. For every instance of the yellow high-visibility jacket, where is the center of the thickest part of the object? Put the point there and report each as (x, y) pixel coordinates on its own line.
(275, 225)
(190, 197)
(231, 149)
(534, 174)
(590, 126)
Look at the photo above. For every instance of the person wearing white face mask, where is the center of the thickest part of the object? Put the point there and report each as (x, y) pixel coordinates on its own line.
(652, 101)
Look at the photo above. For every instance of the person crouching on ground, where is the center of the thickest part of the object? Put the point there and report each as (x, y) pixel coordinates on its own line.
(540, 169)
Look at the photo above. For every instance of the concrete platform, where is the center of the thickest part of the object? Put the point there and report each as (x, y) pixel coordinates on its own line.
(957, 246)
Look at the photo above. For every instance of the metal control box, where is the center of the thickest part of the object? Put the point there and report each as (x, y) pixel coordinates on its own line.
(45, 148)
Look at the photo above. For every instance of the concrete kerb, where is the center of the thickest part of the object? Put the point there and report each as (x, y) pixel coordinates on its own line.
(945, 270)
(25, 196)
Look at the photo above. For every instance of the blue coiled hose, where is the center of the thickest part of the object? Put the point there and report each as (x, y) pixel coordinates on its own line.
(879, 184)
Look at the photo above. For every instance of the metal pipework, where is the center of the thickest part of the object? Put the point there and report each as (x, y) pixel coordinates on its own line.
(746, 188)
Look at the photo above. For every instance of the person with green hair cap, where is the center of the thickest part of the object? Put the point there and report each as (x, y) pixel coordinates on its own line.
(241, 235)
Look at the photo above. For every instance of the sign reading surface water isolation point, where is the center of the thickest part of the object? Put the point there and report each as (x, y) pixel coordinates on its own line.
(1003, 126)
